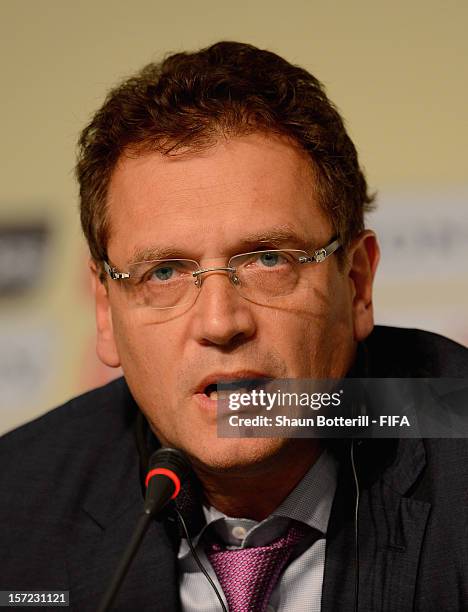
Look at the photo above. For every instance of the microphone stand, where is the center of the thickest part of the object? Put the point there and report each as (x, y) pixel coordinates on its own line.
(132, 547)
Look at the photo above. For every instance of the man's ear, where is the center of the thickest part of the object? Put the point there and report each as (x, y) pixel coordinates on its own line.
(363, 257)
(105, 346)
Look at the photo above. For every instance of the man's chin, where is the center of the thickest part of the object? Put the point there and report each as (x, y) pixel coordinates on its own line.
(243, 456)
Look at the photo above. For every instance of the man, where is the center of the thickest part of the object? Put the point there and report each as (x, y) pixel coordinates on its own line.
(202, 179)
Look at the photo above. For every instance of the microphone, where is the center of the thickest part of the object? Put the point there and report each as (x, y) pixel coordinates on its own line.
(167, 469)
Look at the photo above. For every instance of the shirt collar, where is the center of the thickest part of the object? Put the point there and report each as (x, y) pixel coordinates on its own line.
(309, 502)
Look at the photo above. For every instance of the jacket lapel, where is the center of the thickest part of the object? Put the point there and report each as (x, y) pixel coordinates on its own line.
(151, 582)
(391, 531)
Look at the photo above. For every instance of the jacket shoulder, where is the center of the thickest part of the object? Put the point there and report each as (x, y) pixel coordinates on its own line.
(64, 444)
(401, 352)
(87, 411)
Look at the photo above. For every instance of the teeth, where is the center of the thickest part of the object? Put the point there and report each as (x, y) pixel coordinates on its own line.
(219, 395)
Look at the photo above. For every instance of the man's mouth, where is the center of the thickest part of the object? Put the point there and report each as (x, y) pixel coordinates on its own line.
(223, 388)
(211, 391)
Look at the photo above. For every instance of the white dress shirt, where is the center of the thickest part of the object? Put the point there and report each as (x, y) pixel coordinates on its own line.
(299, 586)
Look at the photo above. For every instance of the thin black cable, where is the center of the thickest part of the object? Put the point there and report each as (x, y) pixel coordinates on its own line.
(356, 530)
(197, 559)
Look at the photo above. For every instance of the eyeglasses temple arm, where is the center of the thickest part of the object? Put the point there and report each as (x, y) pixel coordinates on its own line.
(114, 273)
(321, 254)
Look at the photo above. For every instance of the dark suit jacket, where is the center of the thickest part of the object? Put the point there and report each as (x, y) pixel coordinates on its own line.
(71, 494)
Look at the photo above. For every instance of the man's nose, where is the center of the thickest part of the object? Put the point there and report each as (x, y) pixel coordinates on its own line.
(222, 316)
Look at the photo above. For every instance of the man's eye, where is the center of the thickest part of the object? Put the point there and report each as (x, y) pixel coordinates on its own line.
(159, 274)
(163, 274)
(271, 260)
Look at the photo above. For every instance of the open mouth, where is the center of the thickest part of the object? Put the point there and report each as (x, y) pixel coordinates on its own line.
(211, 391)
(222, 390)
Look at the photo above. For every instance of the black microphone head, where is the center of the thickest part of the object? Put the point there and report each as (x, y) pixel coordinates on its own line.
(167, 469)
(170, 459)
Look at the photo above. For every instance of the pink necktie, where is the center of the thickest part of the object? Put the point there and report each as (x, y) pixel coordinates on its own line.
(248, 575)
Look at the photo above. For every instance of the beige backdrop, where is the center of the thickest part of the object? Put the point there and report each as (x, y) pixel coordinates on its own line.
(398, 72)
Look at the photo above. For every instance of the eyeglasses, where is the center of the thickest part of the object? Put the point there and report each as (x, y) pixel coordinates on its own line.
(259, 276)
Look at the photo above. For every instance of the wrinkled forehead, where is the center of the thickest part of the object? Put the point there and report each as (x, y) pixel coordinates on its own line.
(209, 203)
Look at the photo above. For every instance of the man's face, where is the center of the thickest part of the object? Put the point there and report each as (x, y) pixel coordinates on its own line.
(204, 205)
